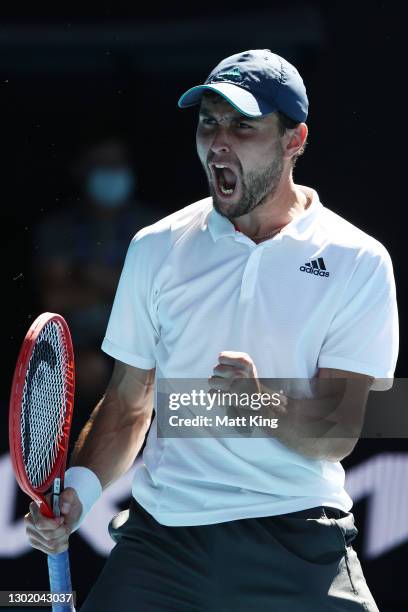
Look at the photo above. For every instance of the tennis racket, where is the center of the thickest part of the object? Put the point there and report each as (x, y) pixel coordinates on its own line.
(41, 405)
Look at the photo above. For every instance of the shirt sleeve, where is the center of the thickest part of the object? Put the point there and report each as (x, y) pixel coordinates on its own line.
(132, 332)
(363, 335)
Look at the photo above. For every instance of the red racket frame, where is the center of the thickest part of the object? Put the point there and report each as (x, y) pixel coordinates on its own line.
(27, 348)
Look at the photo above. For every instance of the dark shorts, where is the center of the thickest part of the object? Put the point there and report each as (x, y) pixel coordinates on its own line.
(298, 562)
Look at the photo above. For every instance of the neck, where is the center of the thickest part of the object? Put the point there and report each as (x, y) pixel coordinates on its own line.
(288, 202)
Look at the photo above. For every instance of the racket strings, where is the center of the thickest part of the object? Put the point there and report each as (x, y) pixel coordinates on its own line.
(44, 404)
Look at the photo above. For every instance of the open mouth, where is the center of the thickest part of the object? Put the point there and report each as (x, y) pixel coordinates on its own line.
(225, 179)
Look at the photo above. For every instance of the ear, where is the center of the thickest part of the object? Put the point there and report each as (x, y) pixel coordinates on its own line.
(295, 140)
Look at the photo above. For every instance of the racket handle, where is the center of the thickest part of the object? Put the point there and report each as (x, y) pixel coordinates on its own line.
(60, 579)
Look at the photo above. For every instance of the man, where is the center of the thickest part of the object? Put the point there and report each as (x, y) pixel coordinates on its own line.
(259, 281)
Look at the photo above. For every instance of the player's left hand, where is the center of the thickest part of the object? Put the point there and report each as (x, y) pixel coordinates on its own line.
(235, 372)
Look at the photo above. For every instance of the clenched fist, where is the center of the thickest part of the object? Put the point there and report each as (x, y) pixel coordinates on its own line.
(51, 535)
(235, 371)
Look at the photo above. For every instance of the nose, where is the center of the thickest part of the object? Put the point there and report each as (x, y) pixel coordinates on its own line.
(220, 143)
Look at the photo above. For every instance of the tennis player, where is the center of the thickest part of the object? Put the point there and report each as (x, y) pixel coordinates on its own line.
(258, 281)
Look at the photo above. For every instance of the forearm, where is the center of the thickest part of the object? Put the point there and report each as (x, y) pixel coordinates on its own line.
(111, 439)
(311, 426)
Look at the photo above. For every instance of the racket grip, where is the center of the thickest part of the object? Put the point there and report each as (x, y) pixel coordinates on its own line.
(60, 579)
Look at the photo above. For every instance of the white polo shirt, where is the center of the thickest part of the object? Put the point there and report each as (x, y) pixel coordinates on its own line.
(320, 294)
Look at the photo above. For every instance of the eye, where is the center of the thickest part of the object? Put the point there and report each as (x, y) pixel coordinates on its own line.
(244, 126)
(208, 121)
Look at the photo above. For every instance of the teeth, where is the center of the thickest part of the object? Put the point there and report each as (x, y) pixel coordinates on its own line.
(226, 191)
(223, 189)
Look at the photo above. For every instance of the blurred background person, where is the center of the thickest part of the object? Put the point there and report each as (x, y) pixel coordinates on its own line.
(81, 249)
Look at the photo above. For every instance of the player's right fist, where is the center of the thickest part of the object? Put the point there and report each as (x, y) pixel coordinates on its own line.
(50, 535)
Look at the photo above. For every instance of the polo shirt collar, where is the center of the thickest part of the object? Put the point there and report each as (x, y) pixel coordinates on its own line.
(299, 228)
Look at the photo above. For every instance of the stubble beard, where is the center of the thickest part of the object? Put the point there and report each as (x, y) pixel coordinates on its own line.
(257, 186)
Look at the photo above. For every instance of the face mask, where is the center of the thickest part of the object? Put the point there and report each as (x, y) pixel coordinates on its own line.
(108, 187)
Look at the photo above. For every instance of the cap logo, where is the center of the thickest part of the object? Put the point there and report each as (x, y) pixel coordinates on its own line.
(229, 75)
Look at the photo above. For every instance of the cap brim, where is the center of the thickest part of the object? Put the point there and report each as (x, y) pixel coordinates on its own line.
(241, 99)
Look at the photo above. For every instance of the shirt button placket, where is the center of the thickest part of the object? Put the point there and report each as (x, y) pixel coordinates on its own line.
(250, 275)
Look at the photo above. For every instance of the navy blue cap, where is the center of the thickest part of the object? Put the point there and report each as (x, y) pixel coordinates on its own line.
(256, 83)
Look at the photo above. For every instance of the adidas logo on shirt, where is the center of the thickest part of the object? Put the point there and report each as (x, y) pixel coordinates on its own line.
(316, 267)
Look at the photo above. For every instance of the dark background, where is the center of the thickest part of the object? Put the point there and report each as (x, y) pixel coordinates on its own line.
(65, 71)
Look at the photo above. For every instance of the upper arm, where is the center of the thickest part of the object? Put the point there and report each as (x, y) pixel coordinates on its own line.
(133, 329)
(363, 333)
(364, 379)
(132, 387)
(354, 393)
